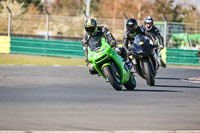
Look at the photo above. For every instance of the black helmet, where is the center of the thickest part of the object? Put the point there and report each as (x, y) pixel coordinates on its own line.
(131, 24)
(90, 26)
(148, 20)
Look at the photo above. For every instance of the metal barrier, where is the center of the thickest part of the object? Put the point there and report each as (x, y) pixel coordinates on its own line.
(46, 48)
(72, 49)
(182, 57)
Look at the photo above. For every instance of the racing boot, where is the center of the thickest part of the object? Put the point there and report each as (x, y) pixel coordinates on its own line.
(130, 66)
(92, 70)
(129, 63)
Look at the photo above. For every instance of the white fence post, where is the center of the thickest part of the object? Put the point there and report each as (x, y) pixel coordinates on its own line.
(87, 9)
(9, 19)
(165, 30)
(47, 24)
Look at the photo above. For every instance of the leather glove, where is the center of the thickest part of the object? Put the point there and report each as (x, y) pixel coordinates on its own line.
(118, 50)
(155, 43)
(113, 43)
(128, 52)
(161, 47)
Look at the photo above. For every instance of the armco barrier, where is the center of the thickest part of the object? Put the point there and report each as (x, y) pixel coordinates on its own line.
(74, 49)
(46, 48)
(182, 57)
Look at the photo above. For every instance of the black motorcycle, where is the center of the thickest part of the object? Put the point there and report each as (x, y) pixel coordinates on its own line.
(145, 58)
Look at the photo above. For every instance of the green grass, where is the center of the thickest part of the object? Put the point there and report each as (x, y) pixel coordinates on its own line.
(39, 60)
(16, 59)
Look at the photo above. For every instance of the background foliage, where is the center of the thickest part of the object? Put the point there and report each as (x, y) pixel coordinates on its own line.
(176, 12)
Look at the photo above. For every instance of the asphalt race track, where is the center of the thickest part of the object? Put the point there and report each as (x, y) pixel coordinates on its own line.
(68, 98)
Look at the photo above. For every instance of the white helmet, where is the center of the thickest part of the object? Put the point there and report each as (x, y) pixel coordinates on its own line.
(148, 20)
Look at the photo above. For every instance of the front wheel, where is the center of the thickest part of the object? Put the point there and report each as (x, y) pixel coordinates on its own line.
(113, 78)
(131, 84)
(149, 74)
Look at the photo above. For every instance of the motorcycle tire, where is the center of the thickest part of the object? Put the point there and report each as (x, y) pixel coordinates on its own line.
(112, 78)
(149, 75)
(131, 84)
(139, 71)
(162, 63)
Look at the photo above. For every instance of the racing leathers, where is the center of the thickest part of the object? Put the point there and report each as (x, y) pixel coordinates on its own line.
(155, 33)
(101, 30)
(129, 37)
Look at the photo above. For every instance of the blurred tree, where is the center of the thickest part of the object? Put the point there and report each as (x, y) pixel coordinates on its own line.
(138, 9)
(191, 14)
(114, 8)
(178, 12)
(33, 4)
(16, 8)
(94, 5)
(66, 7)
(27, 5)
(32, 9)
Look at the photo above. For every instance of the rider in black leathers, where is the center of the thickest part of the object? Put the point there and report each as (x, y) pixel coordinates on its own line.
(132, 29)
(150, 28)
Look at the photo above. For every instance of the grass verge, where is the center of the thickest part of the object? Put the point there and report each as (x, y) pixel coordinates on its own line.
(16, 59)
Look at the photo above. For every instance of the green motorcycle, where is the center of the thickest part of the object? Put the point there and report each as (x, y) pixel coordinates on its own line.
(109, 64)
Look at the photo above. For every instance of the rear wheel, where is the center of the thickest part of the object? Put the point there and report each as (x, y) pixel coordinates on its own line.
(131, 84)
(148, 73)
(113, 77)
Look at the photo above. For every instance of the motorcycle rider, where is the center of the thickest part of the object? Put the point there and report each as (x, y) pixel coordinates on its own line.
(132, 29)
(150, 28)
(92, 30)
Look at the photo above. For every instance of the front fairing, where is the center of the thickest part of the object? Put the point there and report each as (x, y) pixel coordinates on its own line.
(98, 49)
(141, 46)
(100, 53)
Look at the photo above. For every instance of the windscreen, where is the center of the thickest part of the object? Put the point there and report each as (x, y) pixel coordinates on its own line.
(95, 42)
(141, 44)
(140, 39)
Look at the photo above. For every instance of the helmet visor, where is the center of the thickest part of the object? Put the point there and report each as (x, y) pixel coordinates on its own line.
(90, 29)
(149, 21)
(131, 27)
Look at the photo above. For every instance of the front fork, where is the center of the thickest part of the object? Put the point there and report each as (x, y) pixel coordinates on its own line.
(148, 59)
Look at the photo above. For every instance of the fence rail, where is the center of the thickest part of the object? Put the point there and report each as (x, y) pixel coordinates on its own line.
(182, 57)
(72, 26)
(178, 35)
